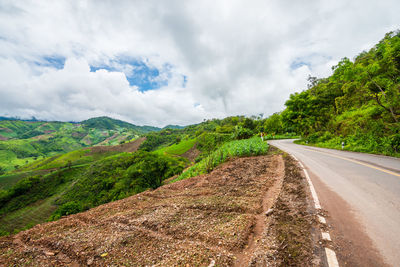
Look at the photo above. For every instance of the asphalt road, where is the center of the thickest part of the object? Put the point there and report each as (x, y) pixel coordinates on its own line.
(370, 187)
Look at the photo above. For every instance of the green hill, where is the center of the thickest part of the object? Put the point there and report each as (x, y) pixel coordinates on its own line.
(22, 142)
(173, 127)
(106, 123)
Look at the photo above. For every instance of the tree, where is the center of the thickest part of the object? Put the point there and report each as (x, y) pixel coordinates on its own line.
(273, 124)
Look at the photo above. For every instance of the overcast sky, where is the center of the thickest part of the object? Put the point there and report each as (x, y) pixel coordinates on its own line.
(175, 62)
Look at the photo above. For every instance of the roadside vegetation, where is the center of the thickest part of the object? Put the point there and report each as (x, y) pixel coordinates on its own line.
(229, 150)
(358, 105)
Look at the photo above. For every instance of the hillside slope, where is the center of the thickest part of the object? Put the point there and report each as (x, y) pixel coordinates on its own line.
(22, 142)
(106, 123)
(216, 219)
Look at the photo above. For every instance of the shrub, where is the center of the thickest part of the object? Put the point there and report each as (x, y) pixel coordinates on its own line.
(68, 208)
(242, 133)
(237, 148)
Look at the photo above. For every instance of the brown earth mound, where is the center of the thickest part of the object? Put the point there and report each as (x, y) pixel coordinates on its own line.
(5, 129)
(192, 153)
(126, 147)
(115, 135)
(210, 220)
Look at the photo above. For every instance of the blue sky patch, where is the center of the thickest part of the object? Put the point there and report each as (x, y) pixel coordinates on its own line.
(299, 63)
(184, 81)
(56, 62)
(138, 73)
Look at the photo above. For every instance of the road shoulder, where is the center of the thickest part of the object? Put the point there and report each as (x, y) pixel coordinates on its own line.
(351, 242)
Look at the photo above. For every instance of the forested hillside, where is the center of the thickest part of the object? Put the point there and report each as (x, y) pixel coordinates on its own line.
(359, 104)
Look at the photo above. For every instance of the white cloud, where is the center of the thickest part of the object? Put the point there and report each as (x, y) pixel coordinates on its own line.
(238, 56)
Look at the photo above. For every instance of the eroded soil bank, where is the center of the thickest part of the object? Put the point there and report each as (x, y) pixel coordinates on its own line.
(218, 219)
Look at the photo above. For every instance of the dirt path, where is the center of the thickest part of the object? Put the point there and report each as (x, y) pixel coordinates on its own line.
(126, 147)
(262, 220)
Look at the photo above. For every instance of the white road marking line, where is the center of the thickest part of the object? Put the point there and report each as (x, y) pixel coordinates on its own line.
(312, 189)
(331, 257)
(326, 236)
(330, 254)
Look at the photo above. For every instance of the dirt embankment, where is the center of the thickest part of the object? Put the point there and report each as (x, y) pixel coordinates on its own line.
(217, 219)
(192, 153)
(126, 147)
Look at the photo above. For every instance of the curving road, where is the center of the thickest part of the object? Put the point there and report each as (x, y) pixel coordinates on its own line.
(361, 193)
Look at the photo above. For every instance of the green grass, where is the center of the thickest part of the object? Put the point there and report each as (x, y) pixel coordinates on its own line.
(9, 160)
(8, 180)
(238, 148)
(38, 211)
(37, 203)
(64, 159)
(8, 134)
(177, 149)
(28, 216)
(281, 136)
(75, 158)
(24, 147)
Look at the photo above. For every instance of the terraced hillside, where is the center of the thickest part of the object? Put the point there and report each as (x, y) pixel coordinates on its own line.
(22, 142)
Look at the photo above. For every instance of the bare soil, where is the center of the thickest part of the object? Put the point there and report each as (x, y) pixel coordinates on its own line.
(191, 154)
(218, 219)
(126, 147)
(287, 241)
(108, 139)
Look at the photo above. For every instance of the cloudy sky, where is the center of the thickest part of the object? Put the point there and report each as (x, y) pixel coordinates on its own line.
(174, 62)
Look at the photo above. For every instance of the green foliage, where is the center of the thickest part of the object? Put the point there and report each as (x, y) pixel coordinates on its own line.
(359, 102)
(281, 136)
(208, 142)
(118, 177)
(179, 148)
(242, 133)
(237, 148)
(68, 208)
(30, 140)
(62, 176)
(155, 140)
(33, 188)
(106, 123)
(273, 124)
(81, 187)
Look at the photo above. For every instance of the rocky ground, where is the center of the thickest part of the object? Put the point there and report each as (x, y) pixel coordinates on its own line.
(248, 212)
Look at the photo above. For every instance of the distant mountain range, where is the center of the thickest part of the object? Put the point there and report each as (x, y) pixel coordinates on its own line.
(107, 123)
(23, 141)
(104, 123)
